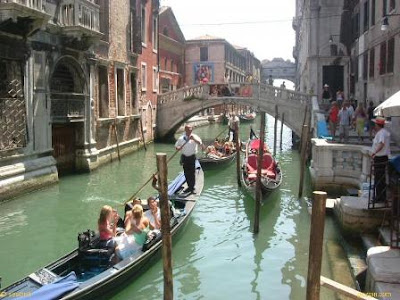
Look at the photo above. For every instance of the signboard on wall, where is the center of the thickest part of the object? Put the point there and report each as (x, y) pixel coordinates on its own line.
(203, 72)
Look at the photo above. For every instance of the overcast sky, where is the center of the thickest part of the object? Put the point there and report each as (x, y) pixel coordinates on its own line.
(262, 26)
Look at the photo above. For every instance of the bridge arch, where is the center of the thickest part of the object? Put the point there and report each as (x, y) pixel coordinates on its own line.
(176, 107)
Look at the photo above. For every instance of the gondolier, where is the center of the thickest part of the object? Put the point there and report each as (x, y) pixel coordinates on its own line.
(232, 126)
(187, 144)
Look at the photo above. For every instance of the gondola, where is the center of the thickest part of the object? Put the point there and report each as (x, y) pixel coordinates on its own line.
(271, 174)
(211, 161)
(85, 274)
(248, 117)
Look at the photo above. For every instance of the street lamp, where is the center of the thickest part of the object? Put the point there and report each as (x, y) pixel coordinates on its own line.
(385, 21)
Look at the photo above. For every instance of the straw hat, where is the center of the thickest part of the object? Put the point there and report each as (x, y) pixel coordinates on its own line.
(379, 120)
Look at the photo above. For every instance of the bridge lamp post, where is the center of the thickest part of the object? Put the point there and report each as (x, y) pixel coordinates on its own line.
(385, 21)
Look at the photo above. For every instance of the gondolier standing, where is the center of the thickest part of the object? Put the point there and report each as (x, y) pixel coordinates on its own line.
(232, 127)
(380, 154)
(187, 144)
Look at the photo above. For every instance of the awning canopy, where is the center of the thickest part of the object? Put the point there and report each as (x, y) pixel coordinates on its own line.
(390, 107)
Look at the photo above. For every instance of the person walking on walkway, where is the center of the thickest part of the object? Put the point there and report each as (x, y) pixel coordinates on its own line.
(187, 144)
(333, 118)
(380, 154)
(344, 123)
(359, 119)
(370, 113)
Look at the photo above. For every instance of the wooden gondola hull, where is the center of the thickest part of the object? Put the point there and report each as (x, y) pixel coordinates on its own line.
(103, 284)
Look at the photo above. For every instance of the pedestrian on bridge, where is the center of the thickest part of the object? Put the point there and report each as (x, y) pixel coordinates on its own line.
(187, 144)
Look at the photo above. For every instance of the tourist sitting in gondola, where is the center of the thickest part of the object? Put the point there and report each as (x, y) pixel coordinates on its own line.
(153, 213)
(219, 145)
(137, 224)
(229, 148)
(212, 152)
(107, 226)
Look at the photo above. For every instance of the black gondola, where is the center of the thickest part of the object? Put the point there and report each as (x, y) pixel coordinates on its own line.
(271, 175)
(95, 279)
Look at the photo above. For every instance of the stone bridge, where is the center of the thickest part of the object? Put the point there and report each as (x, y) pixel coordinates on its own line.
(176, 107)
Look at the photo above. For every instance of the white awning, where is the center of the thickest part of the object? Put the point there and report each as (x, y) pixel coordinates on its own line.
(390, 107)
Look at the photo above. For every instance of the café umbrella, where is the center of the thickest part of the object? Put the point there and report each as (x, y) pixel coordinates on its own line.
(390, 107)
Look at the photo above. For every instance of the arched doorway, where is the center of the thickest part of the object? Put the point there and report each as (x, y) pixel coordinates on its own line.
(67, 93)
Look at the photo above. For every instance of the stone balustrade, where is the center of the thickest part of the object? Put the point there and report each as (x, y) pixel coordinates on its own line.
(199, 91)
(84, 13)
(339, 164)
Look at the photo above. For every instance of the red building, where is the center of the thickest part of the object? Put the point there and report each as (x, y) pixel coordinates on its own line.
(171, 51)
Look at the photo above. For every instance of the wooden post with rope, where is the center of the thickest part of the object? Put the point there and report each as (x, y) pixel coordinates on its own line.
(165, 225)
(116, 137)
(258, 182)
(141, 129)
(316, 245)
(238, 169)
(275, 127)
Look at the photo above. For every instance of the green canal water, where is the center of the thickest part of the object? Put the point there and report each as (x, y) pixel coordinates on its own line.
(216, 257)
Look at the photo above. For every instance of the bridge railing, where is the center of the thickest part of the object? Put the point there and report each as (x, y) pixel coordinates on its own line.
(200, 91)
(276, 93)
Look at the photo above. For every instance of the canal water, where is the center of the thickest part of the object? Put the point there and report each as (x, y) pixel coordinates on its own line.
(216, 257)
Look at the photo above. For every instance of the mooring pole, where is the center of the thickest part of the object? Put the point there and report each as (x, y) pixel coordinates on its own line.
(303, 157)
(238, 149)
(258, 182)
(116, 138)
(165, 227)
(316, 245)
(283, 119)
(275, 127)
(141, 129)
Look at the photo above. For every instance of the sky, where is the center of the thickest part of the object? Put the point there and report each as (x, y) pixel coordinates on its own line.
(262, 26)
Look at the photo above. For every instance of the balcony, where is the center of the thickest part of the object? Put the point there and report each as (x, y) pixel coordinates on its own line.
(80, 18)
(22, 17)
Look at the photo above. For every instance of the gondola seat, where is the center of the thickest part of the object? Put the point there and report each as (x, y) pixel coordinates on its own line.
(268, 166)
(252, 164)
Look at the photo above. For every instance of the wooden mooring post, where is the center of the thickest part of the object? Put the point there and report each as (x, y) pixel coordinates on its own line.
(116, 137)
(238, 149)
(165, 226)
(303, 156)
(275, 128)
(316, 244)
(280, 141)
(258, 192)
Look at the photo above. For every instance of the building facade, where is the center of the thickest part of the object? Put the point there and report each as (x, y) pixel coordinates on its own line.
(171, 51)
(342, 44)
(79, 82)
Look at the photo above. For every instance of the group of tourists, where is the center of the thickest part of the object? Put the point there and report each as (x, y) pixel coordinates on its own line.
(346, 117)
(128, 235)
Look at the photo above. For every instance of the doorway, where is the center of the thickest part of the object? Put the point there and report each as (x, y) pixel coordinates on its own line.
(334, 77)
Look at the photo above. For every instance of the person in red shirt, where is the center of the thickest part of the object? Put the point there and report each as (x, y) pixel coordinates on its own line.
(333, 118)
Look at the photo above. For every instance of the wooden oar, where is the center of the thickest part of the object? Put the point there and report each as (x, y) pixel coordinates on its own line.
(142, 187)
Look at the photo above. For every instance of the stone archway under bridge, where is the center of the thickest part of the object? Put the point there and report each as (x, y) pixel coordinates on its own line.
(176, 107)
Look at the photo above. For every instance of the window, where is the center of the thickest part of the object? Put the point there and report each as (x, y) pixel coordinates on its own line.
(104, 19)
(382, 59)
(165, 31)
(143, 25)
(144, 76)
(373, 4)
(103, 91)
(366, 15)
(172, 65)
(155, 33)
(390, 57)
(203, 53)
(365, 66)
(120, 92)
(372, 63)
(155, 79)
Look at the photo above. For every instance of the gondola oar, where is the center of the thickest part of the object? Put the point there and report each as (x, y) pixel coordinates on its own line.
(142, 187)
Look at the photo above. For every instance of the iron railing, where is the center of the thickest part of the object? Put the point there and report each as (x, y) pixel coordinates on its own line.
(12, 123)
